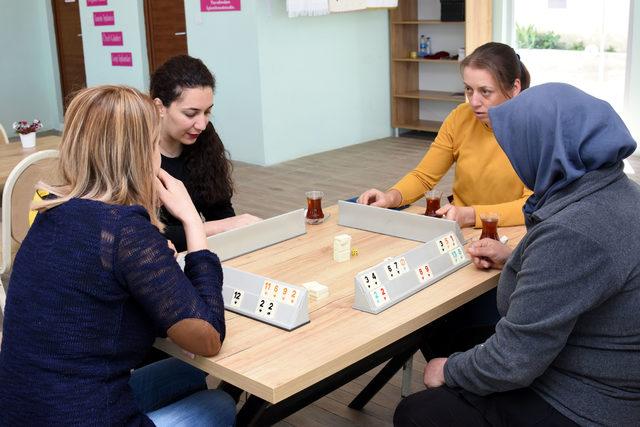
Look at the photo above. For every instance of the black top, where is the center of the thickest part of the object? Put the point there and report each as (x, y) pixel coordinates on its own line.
(174, 231)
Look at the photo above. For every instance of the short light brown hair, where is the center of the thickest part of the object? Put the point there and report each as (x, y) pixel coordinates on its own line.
(107, 149)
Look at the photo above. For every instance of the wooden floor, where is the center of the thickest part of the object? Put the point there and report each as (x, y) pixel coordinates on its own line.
(341, 174)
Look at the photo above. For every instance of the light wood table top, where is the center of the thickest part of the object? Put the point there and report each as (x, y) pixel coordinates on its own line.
(274, 364)
(11, 154)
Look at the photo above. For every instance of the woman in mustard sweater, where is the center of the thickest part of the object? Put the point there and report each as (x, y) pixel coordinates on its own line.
(484, 179)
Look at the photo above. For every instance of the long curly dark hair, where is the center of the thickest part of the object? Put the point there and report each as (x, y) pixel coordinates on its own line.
(208, 165)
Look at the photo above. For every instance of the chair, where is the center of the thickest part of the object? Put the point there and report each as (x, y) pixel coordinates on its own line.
(4, 139)
(16, 202)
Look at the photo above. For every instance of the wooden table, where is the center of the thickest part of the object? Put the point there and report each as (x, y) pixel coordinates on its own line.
(11, 154)
(291, 369)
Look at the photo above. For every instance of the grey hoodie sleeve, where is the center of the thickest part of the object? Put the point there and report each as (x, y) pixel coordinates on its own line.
(559, 274)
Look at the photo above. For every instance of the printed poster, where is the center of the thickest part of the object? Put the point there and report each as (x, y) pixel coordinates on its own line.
(219, 5)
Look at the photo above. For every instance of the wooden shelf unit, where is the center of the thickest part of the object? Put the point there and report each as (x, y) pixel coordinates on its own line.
(406, 94)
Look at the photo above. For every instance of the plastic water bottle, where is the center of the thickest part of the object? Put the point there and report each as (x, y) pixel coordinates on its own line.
(422, 48)
(428, 47)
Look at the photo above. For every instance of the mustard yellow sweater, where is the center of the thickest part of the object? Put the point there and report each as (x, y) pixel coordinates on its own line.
(484, 177)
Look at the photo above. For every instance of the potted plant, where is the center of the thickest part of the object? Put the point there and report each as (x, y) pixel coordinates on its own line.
(27, 132)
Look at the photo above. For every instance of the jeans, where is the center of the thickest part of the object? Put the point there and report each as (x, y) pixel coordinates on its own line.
(173, 393)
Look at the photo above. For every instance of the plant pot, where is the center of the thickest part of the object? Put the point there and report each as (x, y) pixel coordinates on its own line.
(28, 140)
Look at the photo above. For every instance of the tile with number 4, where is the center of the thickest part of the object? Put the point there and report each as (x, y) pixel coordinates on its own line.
(369, 280)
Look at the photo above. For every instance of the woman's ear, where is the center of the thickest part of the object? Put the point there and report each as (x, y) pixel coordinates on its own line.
(517, 88)
(161, 108)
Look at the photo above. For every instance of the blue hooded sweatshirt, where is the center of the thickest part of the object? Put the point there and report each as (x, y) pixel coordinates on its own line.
(570, 292)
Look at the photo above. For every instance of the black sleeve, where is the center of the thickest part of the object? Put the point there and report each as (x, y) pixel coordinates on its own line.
(174, 230)
(219, 210)
(175, 233)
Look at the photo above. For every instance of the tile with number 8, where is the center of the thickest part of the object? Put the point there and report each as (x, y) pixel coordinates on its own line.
(424, 273)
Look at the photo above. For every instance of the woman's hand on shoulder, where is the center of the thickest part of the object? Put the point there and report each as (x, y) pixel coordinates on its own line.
(175, 197)
(375, 197)
(489, 253)
(464, 215)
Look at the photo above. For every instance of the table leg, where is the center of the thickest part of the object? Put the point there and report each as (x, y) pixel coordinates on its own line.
(407, 371)
(382, 378)
(256, 411)
(253, 412)
(231, 390)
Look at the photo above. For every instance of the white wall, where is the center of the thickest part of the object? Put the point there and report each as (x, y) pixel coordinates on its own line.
(325, 80)
(29, 87)
(129, 18)
(228, 43)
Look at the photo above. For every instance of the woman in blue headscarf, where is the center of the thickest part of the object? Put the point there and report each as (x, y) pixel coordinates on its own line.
(567, 347)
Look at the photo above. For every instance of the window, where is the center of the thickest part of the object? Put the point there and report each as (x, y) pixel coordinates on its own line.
(580, 42)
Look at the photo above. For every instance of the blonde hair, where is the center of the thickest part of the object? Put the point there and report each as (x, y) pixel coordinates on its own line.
(107, 150)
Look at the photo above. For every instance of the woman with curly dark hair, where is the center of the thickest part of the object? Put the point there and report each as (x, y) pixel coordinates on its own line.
(182, 89)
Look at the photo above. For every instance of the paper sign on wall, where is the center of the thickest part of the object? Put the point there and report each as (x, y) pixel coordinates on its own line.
(219, 5)
(121, 59)
(104, 18)
(96, 3)
(112, 38)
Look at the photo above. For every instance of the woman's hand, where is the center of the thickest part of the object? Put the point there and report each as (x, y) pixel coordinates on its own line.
(464, 215)
(434, 372)
(175, 197)
(375, 197)
(489, 253)
(233, 222)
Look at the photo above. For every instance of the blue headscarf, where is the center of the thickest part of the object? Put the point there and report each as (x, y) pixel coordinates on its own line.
(555, 133)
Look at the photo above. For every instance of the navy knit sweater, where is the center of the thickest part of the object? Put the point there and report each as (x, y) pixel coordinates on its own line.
(92, 286)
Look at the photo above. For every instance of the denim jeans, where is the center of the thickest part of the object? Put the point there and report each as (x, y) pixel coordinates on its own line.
(174, 393)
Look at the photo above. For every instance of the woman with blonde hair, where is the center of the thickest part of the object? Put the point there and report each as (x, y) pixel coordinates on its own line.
(106, 284)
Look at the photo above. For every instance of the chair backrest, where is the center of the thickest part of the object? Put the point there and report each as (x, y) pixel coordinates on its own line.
(17, 195)
(4, 139)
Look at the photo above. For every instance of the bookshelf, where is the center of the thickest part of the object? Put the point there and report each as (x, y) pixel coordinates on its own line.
(424, 91)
